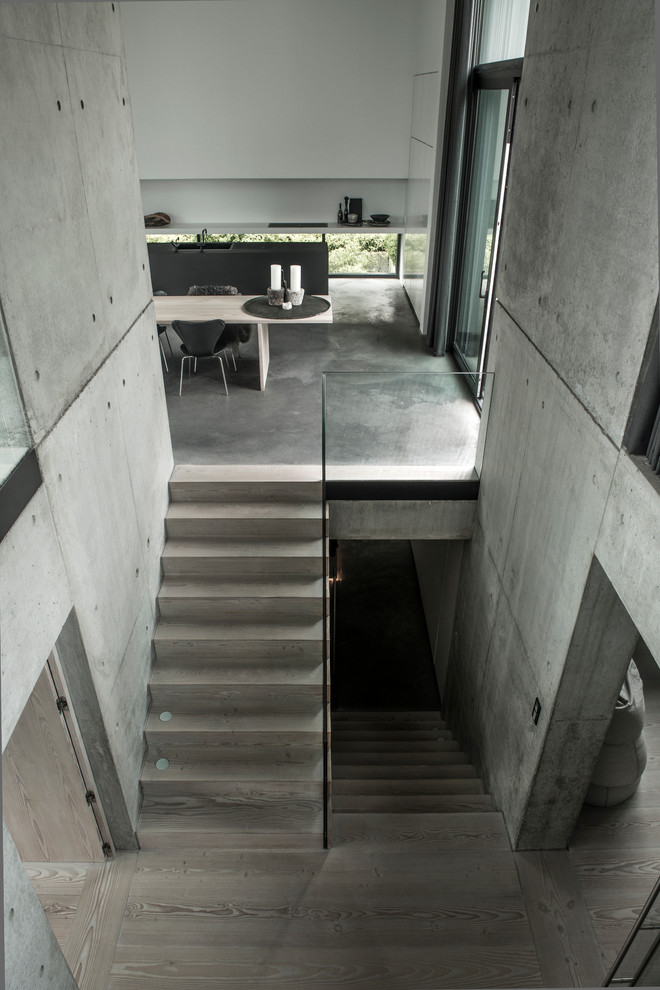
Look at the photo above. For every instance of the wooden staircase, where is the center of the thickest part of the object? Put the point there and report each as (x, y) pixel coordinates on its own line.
(400, 763)
(237, 688)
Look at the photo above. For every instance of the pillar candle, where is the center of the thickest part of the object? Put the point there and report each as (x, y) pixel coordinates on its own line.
(294, 277)
(276, 276)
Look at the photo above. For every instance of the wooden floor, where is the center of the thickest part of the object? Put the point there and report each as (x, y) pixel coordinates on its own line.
(398, 902)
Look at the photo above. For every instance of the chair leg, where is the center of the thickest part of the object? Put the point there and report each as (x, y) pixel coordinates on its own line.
(222, 369)
(233, 358)
(186, 357)
(162, 351)
(169, 344)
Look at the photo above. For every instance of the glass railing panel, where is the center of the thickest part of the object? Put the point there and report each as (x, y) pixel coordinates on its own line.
(403, 426)
(15, 439)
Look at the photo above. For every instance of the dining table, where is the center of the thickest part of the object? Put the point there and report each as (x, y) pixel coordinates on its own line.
(232, 309)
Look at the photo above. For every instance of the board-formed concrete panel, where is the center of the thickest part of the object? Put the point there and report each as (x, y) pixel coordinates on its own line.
(628, 545)
(31, 22)
(586, 24)
(505, 702)
(560, 501)
(93, 27)
(477, 602)
(135, 369)
(90, 491)
(581, 215)
(125, 709)
(35, 600)
(48, 281)
(512, 399)
(104, 139)
(32, 956)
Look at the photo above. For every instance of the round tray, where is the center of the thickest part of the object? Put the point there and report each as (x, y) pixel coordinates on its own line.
(310, 306)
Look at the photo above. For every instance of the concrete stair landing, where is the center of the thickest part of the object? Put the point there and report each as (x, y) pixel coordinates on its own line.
(237, 688)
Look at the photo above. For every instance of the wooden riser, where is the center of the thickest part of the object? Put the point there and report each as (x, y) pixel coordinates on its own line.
(435, 785)
(240, 610)
(410, 803)
(245, 482)
(238, 699)
(244, 560)
(410, 759)
(420, 771)
(209, 520)
(375, 747)
(181, 641)
(387, 735)
(173, 673)
(402, 725)
(296, 808)
(480, 830)
(387, 718)
(276, 763)
(155, 839)
(205, 727)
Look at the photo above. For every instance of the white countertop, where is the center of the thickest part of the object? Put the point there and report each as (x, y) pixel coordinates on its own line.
(395, 226)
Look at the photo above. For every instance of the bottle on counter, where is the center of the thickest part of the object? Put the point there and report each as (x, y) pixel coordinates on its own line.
(340, 215)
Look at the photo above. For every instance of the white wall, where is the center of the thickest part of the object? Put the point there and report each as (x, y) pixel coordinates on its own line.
(426, 138)
(208, 201)
(271, 88)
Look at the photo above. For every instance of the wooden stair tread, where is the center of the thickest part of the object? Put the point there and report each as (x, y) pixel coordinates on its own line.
(228, 672)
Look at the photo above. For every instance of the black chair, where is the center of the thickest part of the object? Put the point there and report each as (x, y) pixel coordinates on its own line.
(201, 340)
(162, 329)
(235, 333)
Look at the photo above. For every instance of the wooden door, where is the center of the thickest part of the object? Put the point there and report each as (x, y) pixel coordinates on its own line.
(43, 791)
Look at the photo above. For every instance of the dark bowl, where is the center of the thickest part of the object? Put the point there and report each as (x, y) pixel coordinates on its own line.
(380, 217)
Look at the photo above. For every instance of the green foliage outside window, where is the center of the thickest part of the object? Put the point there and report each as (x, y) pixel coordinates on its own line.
(348, 254)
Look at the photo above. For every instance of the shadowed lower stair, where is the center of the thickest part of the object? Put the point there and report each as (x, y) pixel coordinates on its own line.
(234, 735)
(401, 763)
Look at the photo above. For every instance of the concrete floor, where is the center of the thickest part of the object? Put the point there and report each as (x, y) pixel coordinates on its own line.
(427, 421)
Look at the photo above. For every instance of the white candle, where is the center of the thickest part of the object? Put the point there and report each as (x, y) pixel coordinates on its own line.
(294, 277)
(276, 276)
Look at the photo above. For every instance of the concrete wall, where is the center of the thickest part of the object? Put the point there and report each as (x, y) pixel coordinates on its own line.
(559, 496)
(75, 293)
(33, 956)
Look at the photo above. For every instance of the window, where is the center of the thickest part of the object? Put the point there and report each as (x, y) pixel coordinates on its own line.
(488, 43)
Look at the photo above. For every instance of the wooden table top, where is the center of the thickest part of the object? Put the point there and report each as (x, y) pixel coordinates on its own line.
(228, 308)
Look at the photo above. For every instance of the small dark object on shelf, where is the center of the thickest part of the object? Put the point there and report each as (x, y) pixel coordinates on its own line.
(380, 217)
(156, 220)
